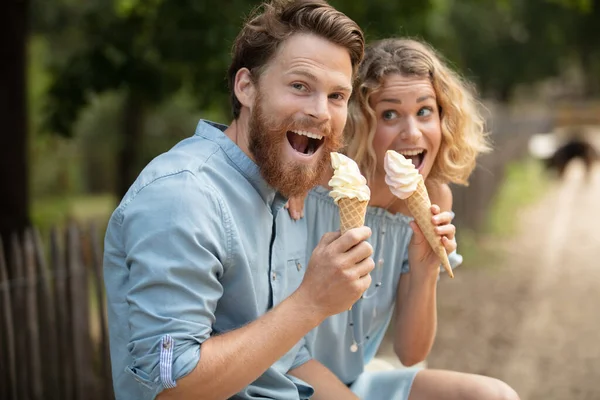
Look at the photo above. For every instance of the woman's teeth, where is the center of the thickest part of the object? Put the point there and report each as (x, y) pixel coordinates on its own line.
(411, 153)
(415, 156)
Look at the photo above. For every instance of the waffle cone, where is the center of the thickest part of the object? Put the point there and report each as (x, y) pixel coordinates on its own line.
(352, 213)
(419, 206)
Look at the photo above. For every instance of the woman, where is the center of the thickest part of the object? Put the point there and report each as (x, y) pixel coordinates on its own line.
(408, 100)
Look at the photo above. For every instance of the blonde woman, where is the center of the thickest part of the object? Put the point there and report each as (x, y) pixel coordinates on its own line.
(406, 99)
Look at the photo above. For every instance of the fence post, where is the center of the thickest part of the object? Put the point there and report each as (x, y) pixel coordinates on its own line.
(96, 260)
(35, 368)
(63, 321)
(79, 322)
(18, 312)
(7, 327)
(49, 340)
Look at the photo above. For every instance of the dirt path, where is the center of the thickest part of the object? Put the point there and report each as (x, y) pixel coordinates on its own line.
(533, 321)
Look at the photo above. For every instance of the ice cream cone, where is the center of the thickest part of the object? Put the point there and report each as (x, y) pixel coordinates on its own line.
(352, 213)
(419, 206)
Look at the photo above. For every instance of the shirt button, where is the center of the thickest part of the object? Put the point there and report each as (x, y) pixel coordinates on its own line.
(299, 266)
(274, 276)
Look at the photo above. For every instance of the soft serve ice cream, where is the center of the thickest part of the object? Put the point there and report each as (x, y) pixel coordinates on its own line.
(401, 175)
(347, 181)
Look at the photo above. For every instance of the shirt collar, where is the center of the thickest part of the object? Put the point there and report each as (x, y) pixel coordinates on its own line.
(215, 132)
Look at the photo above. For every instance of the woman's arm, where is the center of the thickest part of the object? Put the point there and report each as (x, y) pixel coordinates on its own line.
(416, 314)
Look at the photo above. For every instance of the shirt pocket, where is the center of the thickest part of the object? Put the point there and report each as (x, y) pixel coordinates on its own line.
(296, 266)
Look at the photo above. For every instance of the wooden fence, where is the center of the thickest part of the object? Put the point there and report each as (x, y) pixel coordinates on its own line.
(53, 334)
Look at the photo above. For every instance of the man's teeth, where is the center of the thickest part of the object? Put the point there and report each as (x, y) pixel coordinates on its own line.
(309, 134)
(411, 153)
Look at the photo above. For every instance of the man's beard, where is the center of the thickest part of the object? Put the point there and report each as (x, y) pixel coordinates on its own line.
(266, 143)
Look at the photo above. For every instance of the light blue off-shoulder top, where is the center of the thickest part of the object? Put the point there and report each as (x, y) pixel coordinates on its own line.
(346, 342)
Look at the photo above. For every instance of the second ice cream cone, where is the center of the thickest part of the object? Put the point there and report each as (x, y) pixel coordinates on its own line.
(419, 206)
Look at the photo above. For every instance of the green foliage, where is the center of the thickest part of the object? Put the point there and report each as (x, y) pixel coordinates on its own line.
(172, 56)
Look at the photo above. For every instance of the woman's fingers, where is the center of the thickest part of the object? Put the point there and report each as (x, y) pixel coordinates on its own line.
(446, 230)
(449, 245)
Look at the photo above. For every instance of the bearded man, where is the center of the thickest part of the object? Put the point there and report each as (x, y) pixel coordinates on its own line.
(206, 299)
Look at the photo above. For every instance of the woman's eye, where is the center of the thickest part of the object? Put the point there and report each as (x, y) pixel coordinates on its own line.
(389, 114)
(425, 112)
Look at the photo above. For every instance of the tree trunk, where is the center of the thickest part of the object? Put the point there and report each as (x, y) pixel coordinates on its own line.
(14, 196)
(133, 118)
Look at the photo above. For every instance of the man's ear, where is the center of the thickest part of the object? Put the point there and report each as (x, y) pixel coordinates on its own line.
(244, 87)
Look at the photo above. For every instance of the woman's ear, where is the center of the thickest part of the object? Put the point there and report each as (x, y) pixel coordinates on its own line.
(244, 88)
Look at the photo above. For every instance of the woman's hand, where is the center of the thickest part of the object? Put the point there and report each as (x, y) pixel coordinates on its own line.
(295, 207)
(419, 250)
(444, 227)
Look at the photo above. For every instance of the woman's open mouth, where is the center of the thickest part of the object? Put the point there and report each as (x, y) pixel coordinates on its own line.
(416, 156)
(304, 142)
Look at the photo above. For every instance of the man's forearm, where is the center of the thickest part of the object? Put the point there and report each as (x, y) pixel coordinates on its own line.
(327, 386)
(231, 361)
(417, 320)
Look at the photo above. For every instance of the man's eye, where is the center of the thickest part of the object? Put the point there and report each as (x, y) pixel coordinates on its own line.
(389, 114)
(337, 96)
(299, 86)
(425, 112)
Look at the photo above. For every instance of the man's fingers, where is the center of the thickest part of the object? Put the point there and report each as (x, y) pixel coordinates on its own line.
(364, 267)
(351, 238)
(359, 252)
(329, 238)
(364, 282)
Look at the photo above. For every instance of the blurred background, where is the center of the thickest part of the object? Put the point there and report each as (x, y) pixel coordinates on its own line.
(92, 91)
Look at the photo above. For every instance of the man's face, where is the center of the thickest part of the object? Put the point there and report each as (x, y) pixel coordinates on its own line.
(299, 113)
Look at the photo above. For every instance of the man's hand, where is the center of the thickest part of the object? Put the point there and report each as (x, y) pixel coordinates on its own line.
(338, 271)
(420, 254)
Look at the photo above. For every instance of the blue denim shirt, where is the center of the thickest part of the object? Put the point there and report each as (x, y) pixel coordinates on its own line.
(192, 251)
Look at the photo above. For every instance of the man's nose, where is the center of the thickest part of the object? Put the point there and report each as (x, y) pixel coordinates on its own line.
(319, 108)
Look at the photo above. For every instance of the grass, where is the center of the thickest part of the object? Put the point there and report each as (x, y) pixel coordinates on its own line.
(56, 211)
(524, 184)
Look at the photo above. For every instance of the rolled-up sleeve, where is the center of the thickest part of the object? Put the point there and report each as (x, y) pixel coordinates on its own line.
(175, 242)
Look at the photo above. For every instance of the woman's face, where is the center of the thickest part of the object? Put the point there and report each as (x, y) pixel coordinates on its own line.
(408, 121)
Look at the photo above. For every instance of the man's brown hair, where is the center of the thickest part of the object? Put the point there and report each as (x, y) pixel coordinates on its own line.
(273, 22)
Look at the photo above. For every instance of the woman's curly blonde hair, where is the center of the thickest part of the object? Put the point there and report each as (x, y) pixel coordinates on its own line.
(462, 125)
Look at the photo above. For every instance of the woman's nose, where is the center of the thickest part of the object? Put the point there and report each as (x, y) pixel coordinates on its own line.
(411, 132)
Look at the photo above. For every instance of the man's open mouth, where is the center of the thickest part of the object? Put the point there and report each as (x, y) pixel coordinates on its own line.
(304, 142)
(416, 156)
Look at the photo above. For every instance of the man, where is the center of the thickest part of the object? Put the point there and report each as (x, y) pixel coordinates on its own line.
(193, 258)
